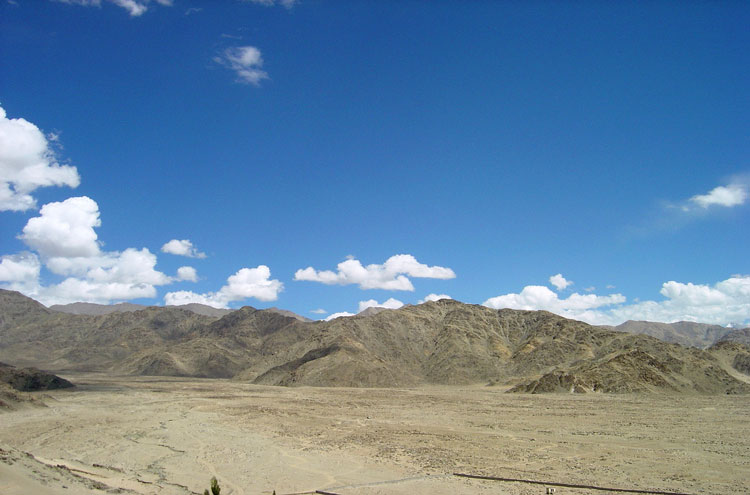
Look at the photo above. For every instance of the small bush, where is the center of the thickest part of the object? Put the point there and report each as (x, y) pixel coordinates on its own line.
(215, 490)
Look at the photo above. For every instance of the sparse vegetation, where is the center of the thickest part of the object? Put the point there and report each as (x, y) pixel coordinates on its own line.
(215, 490)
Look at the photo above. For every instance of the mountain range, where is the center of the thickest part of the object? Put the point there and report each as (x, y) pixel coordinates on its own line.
(440, 342)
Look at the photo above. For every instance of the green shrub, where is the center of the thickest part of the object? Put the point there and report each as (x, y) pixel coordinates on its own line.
(215, 490)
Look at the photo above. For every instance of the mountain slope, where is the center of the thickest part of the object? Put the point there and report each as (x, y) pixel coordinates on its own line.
(441, 342)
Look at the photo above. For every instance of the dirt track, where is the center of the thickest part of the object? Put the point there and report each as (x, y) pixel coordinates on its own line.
(169, 436)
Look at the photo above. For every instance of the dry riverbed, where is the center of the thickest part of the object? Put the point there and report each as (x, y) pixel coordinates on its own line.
(154, 435)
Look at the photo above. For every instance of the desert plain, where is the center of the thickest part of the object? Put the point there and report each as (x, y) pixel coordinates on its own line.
(164, 435)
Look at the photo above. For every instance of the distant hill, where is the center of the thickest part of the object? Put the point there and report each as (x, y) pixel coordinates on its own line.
(441, 342)
(284, 312)
(82, 308)
(741, 336)
(686, 333)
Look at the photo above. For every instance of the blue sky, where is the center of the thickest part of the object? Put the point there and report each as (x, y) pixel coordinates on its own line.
(469, 149)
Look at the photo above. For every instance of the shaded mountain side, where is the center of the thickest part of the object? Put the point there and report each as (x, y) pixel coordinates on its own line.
(31, 379)
(638, 371)
(440, 342)
(16, 309)
(734, 354)
(685, 333)
(741, 336)
(92, 343)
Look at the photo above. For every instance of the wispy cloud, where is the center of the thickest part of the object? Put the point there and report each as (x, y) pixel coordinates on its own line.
(134, 7)
(270, 3)
(246, 62)
(726, 196)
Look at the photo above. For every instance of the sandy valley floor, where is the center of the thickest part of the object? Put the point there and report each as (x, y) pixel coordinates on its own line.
(169, 436)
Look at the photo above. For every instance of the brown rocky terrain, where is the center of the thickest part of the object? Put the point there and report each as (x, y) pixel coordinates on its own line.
(442, 342)
(31, 379)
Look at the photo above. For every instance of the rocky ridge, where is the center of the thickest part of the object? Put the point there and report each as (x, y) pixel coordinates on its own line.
(441, 342)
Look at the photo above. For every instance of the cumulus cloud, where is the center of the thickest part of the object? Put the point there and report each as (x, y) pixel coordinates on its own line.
(390, 303)
(111, 276)
(726, 302)
(534, 297)
(187, 273)
(76, 289)
(731, 195)
(27, 163)
(559, 281)
(182, 247)
(246, 283)
(246, 62)
(434, 297)
(64, 229)
(134, 7)
(20, 272)
(66, 243)
(391, 275)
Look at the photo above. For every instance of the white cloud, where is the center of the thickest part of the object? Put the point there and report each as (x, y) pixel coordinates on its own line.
(392, 275)
(27, 163)
(75, 289)
(20, 272)
(63, 235)
(246, 283)
(180, 297)
(187, 273)
(182, 247)
(319, 311)
(434, 297)
(726, 302)
(338, 315)
(246, 62)
(372, 303)
(64, 229)
(534, 297)
(134, 7)
(731, 195)
(559, 281)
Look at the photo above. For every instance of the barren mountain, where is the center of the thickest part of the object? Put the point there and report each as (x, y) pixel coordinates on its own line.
(82, 308)
(442, 342)
(686, 333)
(741, 336)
